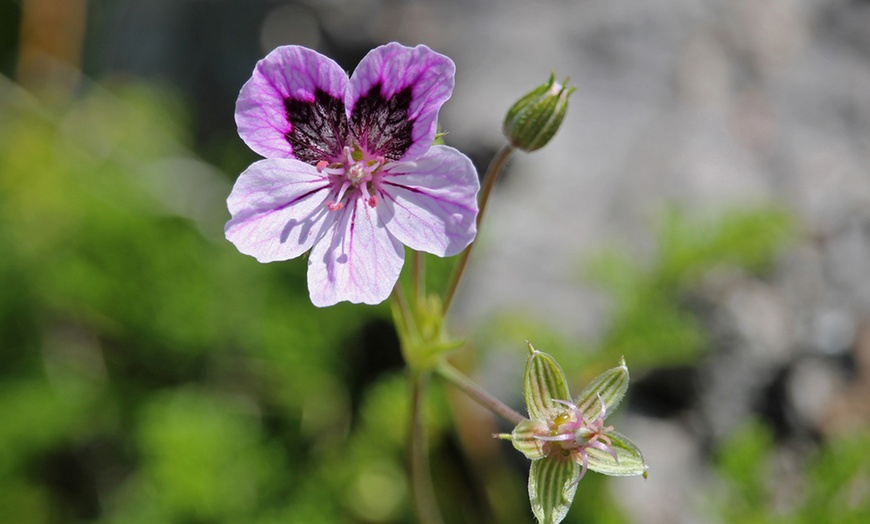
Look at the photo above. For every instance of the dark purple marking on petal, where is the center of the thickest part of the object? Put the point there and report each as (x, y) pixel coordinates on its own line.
(319, 127)
(380, 125)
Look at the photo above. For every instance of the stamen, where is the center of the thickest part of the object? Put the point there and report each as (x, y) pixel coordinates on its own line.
(337, 204)
(336, 170)
(557, 438)
(348, 153)
(603, 408)
(571, 405)
(605, 448)
(373, 201)
(364, 189)
(321, 165)
(584, 464)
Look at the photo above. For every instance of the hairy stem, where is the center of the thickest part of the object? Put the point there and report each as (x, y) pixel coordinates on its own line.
(478, 394)
(418, 276)
(402, 315)
(493, 172)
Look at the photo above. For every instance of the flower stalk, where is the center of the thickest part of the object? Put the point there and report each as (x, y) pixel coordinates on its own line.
(418, 448)
(455, 377)
(418, 276)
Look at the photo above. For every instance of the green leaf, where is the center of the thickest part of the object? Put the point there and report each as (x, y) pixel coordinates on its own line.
(610, 385)
(544, 381)
(552, 485)
(630, 460)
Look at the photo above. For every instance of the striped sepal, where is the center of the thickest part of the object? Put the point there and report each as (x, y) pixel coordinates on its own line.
(552, 484)
(610, 386)
(544, 382)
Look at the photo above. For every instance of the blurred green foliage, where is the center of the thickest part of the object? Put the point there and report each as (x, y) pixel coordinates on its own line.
(830, 483)
(651, 316)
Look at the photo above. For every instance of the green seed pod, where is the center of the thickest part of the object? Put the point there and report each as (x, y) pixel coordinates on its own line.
(534, 119)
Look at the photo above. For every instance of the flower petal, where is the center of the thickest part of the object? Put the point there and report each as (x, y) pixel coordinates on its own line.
(293, 106)
(431, 204)
(628, 462)
(395, 94)
(357, 260)
(276, 205)
(543, 383)
(611, 386)
(552, 485)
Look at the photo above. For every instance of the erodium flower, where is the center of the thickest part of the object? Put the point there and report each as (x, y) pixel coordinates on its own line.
(564, 438)
(350, 171)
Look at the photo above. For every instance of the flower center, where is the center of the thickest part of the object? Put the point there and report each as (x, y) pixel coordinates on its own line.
(574, 432)
(575, 436)
(356, 174)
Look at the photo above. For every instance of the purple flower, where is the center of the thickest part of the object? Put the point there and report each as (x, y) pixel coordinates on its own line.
(350, 171)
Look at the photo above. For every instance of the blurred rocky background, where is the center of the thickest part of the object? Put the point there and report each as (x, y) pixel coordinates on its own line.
(704, 211)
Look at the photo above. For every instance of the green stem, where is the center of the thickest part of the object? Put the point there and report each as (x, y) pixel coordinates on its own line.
(478, 394)
(421, 476)
(406, 327)
(493, 172)
(402, 315)
(418, 276)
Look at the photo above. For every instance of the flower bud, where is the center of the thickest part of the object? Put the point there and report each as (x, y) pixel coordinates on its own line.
(535, 118)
